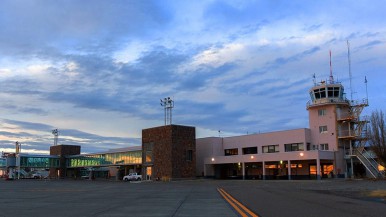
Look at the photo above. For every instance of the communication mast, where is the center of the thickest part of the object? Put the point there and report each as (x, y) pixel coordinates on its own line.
(355, 140)
(349, 68)
(331, 77)
(55, 132)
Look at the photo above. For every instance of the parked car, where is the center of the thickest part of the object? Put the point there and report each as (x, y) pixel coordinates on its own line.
(40, 175)
(132, 177)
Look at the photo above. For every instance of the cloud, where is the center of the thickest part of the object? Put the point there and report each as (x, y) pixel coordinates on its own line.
(62, 24)
(296, 57)
(371, 44)
(97, 69)
(36, 136)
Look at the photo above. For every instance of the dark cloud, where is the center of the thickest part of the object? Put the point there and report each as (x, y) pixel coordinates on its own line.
(158, 66)
(313, 27)
(197, 114)
(296, 57)
(32, 26)
(371, 44)
(29, 125)
(43, 139)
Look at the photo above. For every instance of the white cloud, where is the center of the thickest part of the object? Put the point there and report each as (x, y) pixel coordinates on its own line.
(229, 70)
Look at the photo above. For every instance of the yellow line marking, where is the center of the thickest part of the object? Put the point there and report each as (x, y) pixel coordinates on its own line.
(223, 192)
(232, 204)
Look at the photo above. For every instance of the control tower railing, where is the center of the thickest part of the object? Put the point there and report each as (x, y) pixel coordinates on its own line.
(325, 101)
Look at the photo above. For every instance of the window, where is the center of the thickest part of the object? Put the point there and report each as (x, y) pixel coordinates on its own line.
(312, 147)
(250, 150)
(324, 146)
(323, 129)
(294, 147)
(320, 93)
(233, 151)
(322, 112)
(270, 148)
(189, 155)
(148, 151)
(333, 92)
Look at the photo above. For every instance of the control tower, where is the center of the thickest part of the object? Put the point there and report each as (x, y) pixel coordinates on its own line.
(327, 105)
(336, 125)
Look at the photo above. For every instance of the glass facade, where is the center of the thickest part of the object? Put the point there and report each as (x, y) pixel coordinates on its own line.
(3, 162)
(39, 161)
(120, 158)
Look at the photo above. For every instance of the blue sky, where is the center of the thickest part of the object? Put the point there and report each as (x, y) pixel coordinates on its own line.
(96, 70)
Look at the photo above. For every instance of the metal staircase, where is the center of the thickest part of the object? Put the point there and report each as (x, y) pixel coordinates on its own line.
(368, 161)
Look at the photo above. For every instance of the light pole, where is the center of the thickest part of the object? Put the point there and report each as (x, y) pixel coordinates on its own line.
(168, 104)
(55, 132)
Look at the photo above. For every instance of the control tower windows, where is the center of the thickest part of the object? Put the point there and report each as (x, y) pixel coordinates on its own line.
(333, 92)
(327, 92)
(320, 93)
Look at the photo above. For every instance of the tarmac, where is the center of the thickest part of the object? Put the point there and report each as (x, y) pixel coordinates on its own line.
(201, 197)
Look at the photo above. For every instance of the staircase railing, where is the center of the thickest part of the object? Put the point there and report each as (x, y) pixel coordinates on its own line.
(369, 162)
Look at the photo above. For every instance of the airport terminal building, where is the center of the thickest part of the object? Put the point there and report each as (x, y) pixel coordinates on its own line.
(332, 146)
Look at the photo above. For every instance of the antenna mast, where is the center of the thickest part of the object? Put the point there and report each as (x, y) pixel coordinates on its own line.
(314, 79)
(331, 77)
(367, 96)
(349, 67)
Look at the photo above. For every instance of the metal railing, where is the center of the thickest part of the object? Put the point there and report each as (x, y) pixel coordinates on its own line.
(369, 162)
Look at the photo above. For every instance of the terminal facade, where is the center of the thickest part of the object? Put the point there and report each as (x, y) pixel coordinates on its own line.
(332, 146)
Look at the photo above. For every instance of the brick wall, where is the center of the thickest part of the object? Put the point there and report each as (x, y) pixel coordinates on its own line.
(169, 147)
(61, 151)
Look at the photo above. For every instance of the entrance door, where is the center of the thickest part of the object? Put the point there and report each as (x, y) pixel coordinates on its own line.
(148, 173)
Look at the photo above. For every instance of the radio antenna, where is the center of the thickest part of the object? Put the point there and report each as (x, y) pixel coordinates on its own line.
(331, 77)
(349, 67)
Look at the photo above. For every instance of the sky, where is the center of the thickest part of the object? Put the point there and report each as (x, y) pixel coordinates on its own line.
(96, 70)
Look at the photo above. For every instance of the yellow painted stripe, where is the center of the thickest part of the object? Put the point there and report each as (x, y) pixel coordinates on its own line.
(238, 203)
(232, 204)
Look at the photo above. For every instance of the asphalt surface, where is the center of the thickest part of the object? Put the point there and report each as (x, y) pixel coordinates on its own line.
(191, 198)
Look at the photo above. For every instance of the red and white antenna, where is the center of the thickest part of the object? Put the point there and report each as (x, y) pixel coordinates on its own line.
(331, 77)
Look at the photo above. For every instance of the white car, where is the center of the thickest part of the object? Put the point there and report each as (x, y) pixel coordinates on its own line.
(132, 177)
(40, 175)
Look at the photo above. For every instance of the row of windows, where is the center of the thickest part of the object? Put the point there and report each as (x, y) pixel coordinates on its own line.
(275, 148)
(134, 157)
(39, 162)
(332, 92)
